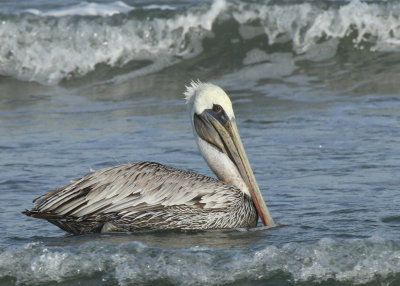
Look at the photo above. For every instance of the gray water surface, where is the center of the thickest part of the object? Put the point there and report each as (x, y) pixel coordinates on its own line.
(320, 126)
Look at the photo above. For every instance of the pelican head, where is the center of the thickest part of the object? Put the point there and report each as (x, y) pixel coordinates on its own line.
(217, 136)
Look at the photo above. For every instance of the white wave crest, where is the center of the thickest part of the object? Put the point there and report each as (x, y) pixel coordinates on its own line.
(48, 49)
(95, 9)
(307, 24)
(355, 262)
(86, 9)
(67, 43)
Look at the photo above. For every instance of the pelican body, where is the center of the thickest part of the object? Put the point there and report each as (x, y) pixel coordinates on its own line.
(150, 196)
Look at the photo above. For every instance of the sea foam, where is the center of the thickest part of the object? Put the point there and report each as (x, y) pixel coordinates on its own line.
(354, 262)
(86, 9)
(307, 24)
(48, 49)
(70, 42)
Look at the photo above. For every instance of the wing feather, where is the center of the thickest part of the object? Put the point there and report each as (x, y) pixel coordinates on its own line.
(132, 189)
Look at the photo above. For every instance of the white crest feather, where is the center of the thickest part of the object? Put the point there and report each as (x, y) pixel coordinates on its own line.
(191, 90)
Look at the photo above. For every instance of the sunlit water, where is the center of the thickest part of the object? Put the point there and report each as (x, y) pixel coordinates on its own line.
(317, 104)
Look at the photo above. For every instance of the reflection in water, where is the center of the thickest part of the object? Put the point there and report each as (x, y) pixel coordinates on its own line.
(230, 238)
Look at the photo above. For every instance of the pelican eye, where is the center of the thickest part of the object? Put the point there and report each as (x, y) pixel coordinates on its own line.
(217, 108)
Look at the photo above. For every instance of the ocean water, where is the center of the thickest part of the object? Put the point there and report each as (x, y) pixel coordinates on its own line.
(316, 92)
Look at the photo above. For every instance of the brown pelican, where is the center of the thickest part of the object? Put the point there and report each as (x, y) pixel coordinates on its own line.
(150, 196)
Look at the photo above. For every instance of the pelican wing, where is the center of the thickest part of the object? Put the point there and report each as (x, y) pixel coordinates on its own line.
(133, 189)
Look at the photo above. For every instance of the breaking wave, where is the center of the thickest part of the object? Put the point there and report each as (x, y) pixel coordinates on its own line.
(70, 42)
(132, 263)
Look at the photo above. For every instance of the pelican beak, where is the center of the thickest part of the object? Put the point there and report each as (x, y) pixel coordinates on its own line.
(222, 132)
